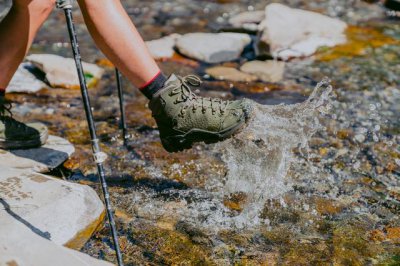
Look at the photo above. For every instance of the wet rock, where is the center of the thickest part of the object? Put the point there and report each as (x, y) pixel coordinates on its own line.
(268, 71)
(164, 47)
(213, 47)
(20, 244)
(298, 33)
(62, 212)
(25, 81)
(247, 20)
(61, 71)
(229, 73)
(43, 159)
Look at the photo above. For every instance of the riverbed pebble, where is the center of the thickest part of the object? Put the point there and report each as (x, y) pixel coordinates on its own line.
(213, 47)
(229, 73)
(268, 71)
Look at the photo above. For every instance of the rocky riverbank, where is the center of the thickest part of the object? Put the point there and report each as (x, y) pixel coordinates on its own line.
(337, 202)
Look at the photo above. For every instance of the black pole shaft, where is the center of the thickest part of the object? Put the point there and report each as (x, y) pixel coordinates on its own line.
(92, 130)
(121, 105)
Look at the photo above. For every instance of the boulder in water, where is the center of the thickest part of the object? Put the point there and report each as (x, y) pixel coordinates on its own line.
(213, 47)
(61, 71)
(293, 32)
(164, 47)
(25, 81)
(268, 71)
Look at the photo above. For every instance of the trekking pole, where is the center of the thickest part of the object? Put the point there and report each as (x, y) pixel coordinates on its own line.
(99, 156)
(121, 106)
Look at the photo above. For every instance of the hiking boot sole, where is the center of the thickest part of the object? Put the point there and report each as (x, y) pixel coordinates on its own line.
(24, 144)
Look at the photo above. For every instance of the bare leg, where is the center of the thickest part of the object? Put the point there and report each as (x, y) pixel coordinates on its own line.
(117, 37)
(17, 31)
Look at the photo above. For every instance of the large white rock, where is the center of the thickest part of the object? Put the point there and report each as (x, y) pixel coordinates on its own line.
(49, 207)
(296, 33)
(268, 71)
(61, 71)
(21, 246)
(41, 159)
(24, 81)
(164, 47)
(213, 47)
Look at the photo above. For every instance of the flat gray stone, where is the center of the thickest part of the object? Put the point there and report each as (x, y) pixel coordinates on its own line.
(52, 154)
(213, 47)
(24, 81)
(229, 73)
(49, 207)
(297, 33)
(20, 245)
(61, 71)
(268, 71)
(164, 47)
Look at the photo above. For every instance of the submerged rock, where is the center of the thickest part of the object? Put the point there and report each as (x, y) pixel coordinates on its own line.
(296, 33)
(25, 81)
(164, 47)
(213, 47)
(62, 212)
(61, 71)
(229, 73)
(268, 71)
(43, 159)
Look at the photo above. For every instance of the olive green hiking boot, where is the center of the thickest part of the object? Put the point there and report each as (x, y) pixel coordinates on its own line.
(17, 135)
(184, 118)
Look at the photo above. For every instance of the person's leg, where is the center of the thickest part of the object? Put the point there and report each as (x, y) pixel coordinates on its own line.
(118, 38)
(17, 31)
(182, 117)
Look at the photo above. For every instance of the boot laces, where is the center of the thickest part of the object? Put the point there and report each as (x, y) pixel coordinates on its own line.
(193, 101)
(6, 116)
(5, 108)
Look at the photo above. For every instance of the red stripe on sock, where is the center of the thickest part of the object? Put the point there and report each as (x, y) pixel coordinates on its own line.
(150, 81)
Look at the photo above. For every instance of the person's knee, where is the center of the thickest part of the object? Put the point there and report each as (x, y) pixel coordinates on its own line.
(37, 6)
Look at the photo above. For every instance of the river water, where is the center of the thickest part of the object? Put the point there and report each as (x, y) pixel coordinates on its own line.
(312, 180)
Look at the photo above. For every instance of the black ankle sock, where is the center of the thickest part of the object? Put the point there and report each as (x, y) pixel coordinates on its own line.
(154, 85)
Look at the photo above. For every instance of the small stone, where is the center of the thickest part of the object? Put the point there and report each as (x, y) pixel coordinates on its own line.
(297, 33)
(268, 71)
(244, 19)
(61, 71)
(359, 138)
(393, 233)
(229, 73)
(42, 159)
(164, 47)
(213, 47)
(25, 81)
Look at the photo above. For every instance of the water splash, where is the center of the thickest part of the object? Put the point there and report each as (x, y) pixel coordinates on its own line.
(258, 160)
(259, 157)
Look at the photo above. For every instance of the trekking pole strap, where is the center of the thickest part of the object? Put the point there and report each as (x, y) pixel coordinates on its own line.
(64, 4)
